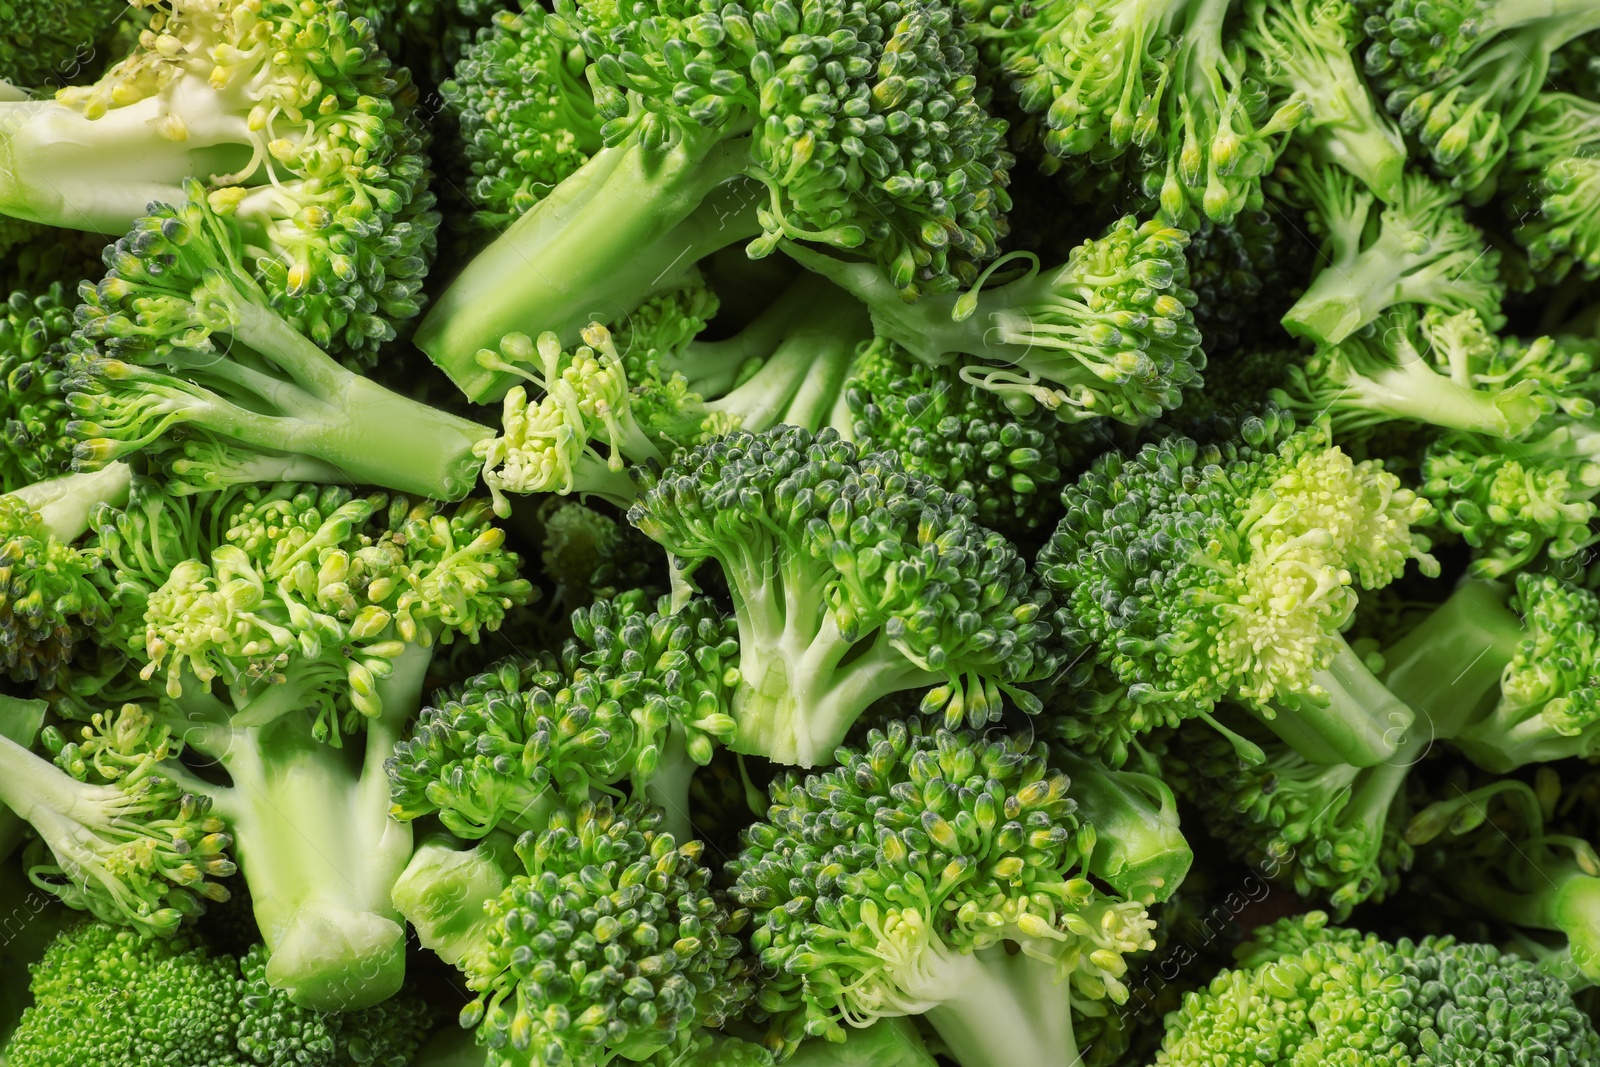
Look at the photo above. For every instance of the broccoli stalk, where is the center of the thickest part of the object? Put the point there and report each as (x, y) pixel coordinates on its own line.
(1139, 849)
(995, 1008)
(175, 284)
(1109, 333)
(1418, 249)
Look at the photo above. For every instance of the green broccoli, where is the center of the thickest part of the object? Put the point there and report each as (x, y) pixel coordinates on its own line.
(589, 556)
(1555, 154)
(302, 134)
(1241, 272)
(851, 579)
(1461, 74)
(1190, 574)
(105, 996)
(1108, 334)
(635, 699)
(284, 633)
(34, 443)
(600, 939)
(1302, 50)
(528, 118)
(1306, 992)
(896, 883)
(47, 45)
(856, 126)
(183, 353)
(1418, 248)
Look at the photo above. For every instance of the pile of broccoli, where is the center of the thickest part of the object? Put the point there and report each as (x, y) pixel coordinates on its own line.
(854, 533)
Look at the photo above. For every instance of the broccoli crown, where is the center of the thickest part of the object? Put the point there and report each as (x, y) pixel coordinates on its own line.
(1555, 153)
(836, 561)
(527, 117)
(1305, 992)
(1196, 573)
(963, 438)
(922, 845)
(526, 736)
(1513, 500)
(46, 44)
(1236, 269)
(1419, 248)
(1315, 823)
(49, 594)
(590, 556)
(34, 328)
(260, 584)
(107, 996)
(1462, 74)
(867, 133)
(126, 843)
(612, 944)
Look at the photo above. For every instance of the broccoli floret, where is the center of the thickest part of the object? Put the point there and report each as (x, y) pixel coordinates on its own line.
(1191, 574)
(588, 556)
(284, 633)
(1241, 273)
(851, 579)
(1555, 155)
(34, 444)
(1302, 50)
(1461, 74)
(1511, 859)
(1428, 366)
(600, 939)
(1305, 992)
(1158, 81)
(180, 339)
(634, 699)
(1108, 334)
(1418, 248)
(962, 437)
(303, 134)
(896, 883)
(47, 45)
(106, 996)
(867, 138)
(528, 118)
(118, 838)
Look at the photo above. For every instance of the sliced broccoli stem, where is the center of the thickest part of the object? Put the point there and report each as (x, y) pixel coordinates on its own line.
(66, 504)
(1347, 295)
(443, 890)
(1139, 849)
(997, 1009)
(628, 225)
(1450, 665)
(1557, 893)
(320, 852)
(802, 683)
(63, 169)
(1360, 722)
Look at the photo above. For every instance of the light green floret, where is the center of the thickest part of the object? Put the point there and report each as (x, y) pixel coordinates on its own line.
(1156, 80)
(1555, 152)
(600, 940)
(287, 113)
(1461, 74)
(851, 579)
(117, 837)
(1302, 49)
(1108, 334)
(942, 874)
(286, 632)
(49, 596)
(1425, 365)
(1193, 574)
(1307, 993)
(855, 126)
(527, 115)
(634, 703)
(181, 339)
(1418, 248)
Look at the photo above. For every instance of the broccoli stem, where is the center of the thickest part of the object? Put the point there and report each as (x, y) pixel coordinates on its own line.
(66, 504)
(1450, 665)
(712, 368)
(1349, 294)
(1413, 390)
(995, 1009)
(1139, 849)
(802, 682)
(890, 1042)
(668, 787)
(1563, 897)
(1360, 722)
(443, 890)
(63, 169)
(319, 850)
(628, 225)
